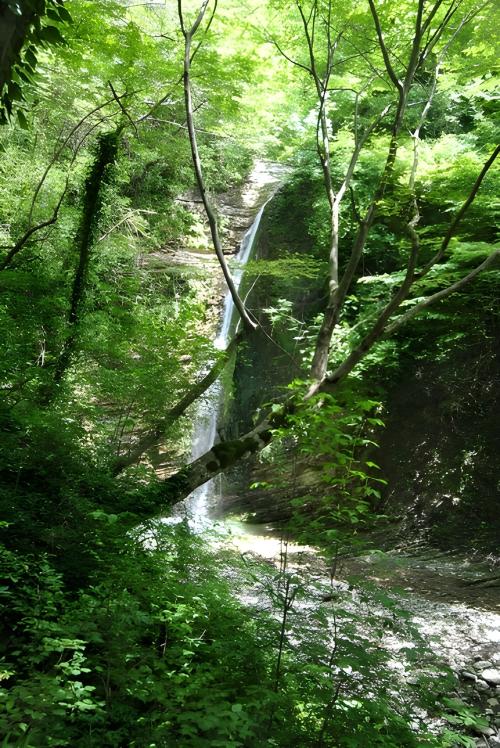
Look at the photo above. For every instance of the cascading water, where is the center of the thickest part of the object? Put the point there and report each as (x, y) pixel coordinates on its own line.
(247, 245)
(197, 505)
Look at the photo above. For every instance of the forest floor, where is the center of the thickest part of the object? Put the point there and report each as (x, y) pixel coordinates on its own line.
(435, 616)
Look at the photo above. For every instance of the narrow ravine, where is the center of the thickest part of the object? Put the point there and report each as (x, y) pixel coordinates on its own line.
(197, 507)
(434, 632)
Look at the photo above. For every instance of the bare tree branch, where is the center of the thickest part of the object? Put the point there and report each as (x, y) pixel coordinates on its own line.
(209, 210)
(161, 427)
(287, 57)
(33, 230)
(432, 13)
(207, 29)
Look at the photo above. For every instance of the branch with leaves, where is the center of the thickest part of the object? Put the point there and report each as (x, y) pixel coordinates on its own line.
(33, 229)
(159, 429)
(403, 85)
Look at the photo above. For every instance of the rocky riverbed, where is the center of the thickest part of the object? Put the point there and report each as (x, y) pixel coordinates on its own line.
(418, 628)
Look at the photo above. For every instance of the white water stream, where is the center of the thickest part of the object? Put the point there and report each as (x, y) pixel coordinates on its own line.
(198, 504)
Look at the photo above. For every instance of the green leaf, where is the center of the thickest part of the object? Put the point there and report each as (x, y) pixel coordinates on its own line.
(30, 57)
(50, 34)
(23, 122)
(64, 14)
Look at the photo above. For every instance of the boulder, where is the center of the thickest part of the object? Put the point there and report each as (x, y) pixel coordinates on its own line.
(491, 675)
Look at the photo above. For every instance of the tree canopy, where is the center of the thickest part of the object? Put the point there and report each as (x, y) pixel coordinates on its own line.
(125, 128)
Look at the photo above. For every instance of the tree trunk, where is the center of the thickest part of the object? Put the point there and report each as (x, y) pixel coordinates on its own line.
(224, 455)
(99, 174)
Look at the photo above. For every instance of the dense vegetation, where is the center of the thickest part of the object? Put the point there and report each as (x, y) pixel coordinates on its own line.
(377, 259)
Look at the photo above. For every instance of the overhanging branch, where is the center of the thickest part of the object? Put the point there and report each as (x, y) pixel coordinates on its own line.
(161, 427)
(424, 303)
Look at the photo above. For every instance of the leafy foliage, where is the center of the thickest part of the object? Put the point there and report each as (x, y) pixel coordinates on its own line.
(30, 27)
(119, 629)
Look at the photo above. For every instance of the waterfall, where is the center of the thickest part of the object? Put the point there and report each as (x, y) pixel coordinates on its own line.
(198, 504)
(244, 253)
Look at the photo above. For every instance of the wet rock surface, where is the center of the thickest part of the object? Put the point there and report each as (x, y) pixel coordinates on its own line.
(236, 209)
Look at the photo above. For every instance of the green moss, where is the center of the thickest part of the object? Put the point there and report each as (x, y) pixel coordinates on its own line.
(228, 453)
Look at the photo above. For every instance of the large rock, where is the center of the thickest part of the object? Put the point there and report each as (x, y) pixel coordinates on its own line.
(468, 676)
(491, 675)
(482, 665)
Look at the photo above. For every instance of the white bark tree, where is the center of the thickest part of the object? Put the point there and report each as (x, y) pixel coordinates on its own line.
(432, 32)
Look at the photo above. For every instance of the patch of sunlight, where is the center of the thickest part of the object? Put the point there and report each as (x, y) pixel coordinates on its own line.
(258, 539)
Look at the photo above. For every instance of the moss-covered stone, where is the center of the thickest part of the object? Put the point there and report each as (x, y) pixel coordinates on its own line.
(177, 487)
(227, 453)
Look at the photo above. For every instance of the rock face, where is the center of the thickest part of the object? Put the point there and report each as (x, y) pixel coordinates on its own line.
(439, 449)
(236, 208)
(239, 206)
(482, 664)
(195, 256)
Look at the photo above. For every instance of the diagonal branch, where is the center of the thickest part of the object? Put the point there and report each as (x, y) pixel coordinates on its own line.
(432, 13)
(224, 455)
(199, 18)
(207, 29)
(287, 57)
(460, 214)
(385, 53)
(161, 427)
(120, 104)
(247, 320)
(32, 230)
(378, 327)
(63, 145)
(438, 32)
(457, 286)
